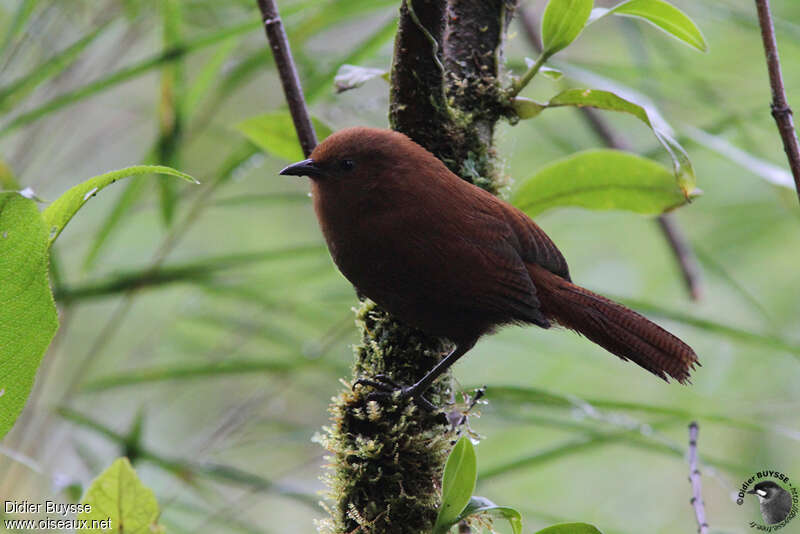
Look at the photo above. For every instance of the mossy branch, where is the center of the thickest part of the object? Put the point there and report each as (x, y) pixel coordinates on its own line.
(387, 459)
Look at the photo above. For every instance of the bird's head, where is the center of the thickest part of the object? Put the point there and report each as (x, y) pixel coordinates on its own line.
(361, 156)
(766, 490)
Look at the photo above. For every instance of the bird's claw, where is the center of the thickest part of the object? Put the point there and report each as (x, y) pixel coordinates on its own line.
(380, 382)
(388, 389)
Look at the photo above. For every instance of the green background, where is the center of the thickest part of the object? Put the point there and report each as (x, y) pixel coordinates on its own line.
(231, 449)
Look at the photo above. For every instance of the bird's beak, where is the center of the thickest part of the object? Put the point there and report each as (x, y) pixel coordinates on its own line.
(752, 492)
(307, 167)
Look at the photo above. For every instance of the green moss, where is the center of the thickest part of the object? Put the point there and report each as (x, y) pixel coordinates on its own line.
(386, 457)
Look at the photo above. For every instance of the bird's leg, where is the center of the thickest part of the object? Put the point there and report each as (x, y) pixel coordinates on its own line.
(387, 387)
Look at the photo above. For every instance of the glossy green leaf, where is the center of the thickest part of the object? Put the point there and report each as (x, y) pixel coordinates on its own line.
(662, 15)
(274, 133)
(28, 318)
(562, 22)
(119, 497)
(60, 212)
(684, 172)
(458, 483)
(570, 528)
(478, 505)
(600, 180)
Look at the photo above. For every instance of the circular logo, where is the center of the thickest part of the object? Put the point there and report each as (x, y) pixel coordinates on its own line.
(777, 499)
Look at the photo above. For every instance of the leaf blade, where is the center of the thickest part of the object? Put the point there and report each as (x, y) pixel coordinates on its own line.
(28, 317)
(268, 132)
(602, 180)
(682, 166)
(665, 17)
(119, 496)
(562, 22)
(458, 483)
(61, 211)
(479, 505)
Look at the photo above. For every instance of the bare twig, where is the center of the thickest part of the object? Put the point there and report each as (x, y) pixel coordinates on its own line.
(684, 254)
(781, 111)
(279, 43)
(679, 243)
(694, 479)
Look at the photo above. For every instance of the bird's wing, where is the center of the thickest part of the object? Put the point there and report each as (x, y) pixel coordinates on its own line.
(533, 244)
(503, 283)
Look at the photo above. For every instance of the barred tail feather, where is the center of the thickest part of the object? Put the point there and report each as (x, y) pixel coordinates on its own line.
(614, 327)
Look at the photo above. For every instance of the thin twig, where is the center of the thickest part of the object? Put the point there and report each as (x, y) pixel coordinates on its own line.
(679, 243)
(781, 111)
(684, 254)
(694, 479)
(279, 43)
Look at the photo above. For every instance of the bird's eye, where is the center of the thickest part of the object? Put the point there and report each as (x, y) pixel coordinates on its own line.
(347, 164)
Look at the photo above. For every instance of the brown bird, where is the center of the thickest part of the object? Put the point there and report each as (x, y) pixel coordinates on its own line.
(449, 258)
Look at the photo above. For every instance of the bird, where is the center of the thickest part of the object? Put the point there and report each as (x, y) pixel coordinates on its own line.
(449, 258)
(775, 502)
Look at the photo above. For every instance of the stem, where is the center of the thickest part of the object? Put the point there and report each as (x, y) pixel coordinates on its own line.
(520, 84)
(684, 254)
(694, 479)
(781, 111)
(279, 43)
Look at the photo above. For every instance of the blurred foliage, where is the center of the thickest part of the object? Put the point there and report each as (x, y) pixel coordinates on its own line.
(207, 349)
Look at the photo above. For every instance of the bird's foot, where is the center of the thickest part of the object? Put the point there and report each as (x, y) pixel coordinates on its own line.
(388, 389)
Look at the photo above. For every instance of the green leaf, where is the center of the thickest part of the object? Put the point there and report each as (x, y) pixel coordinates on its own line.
(60, 212)
(562, 22)
(684, 172)
(601, 180)
(478, 505)
(28, 318)
(570, 528)
(270, 132)
(119, 497)
(525, 108)
(458, 483)
(662, 15)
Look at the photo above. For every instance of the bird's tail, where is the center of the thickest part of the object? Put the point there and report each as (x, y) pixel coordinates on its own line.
(614, 327)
